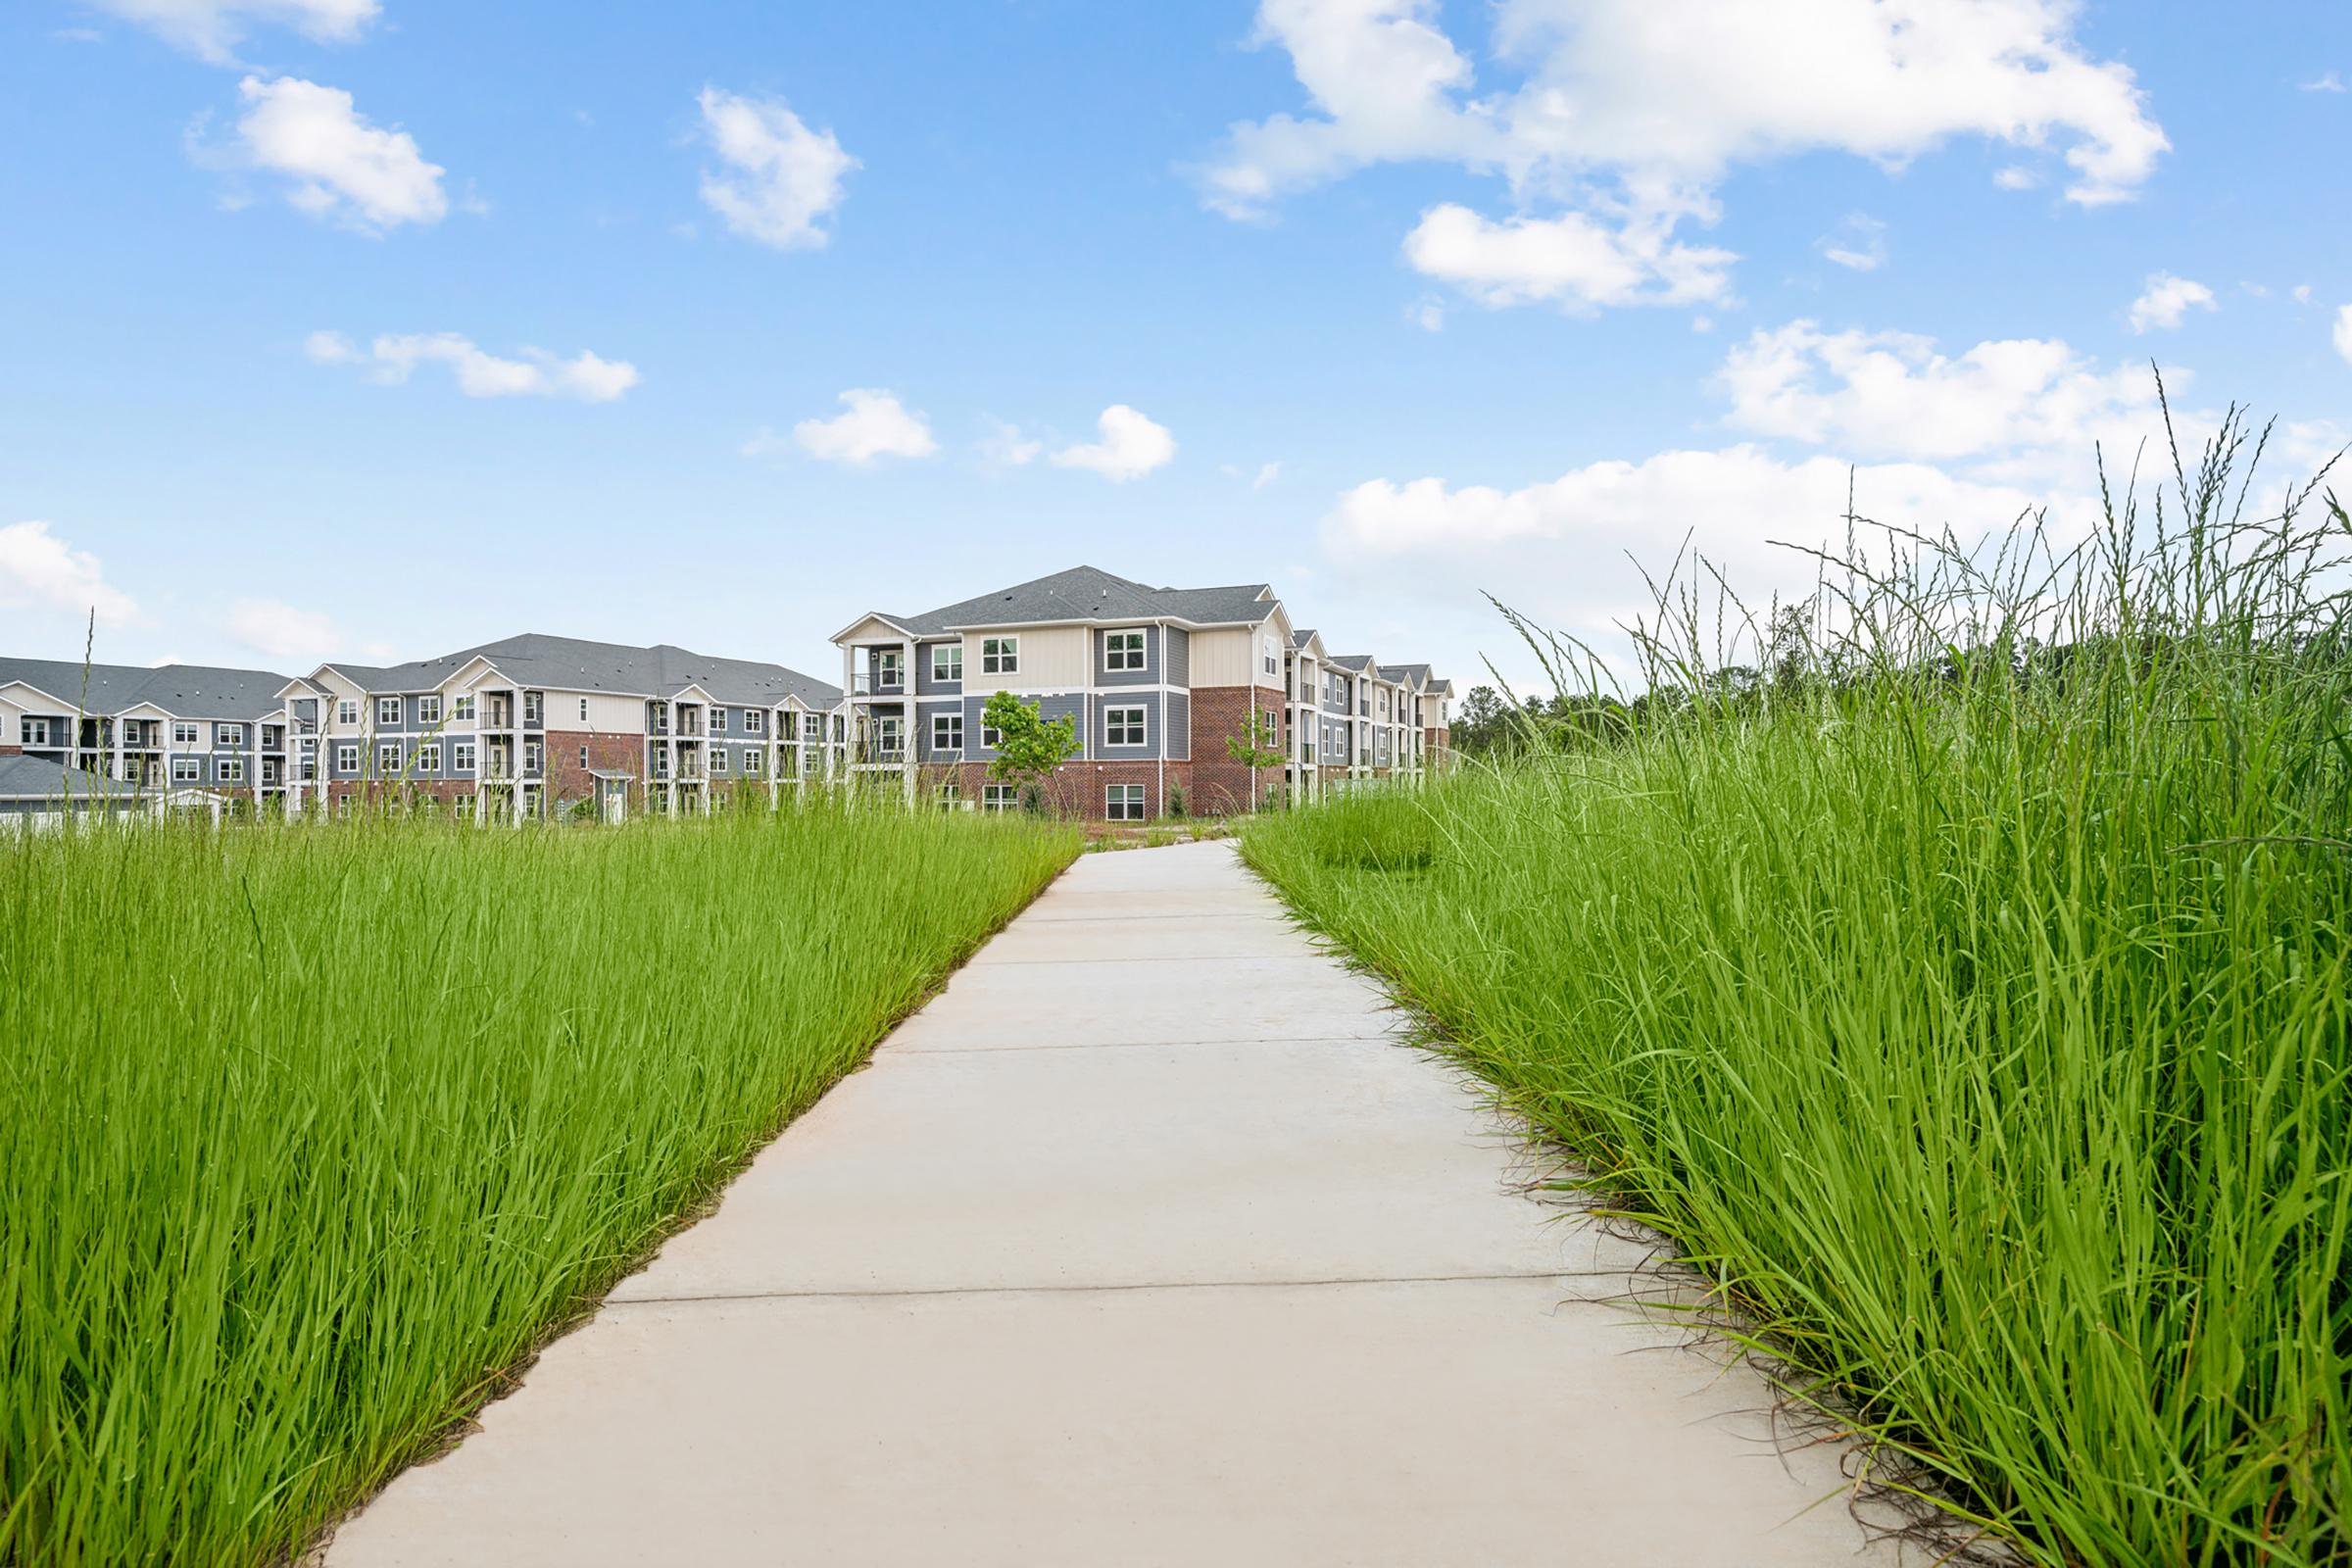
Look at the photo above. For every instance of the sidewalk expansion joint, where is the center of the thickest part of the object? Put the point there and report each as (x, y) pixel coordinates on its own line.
(1338, 1282)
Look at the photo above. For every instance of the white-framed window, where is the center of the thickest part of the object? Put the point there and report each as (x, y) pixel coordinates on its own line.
(947, 732)
(347, 711)
(889, 734)
(387, 713)
(33, 731)
(343, 806)
(1123, 803)
(751, 764)
(886, 668)
(998, 797)
(990, 737)
(1000, 655)
(187, 770)
(946, 661)
(461, 756)
(460, 708)
(232, 769)
(1122, 651)
(428, 758)
(718, 758)
(584, 710)
(183, 733)
(306, 757)
(1123, 725)
(387, 758)
(429, 708)
(1273, 657)
(463, 806)
(534, 757)
(534, 707)
(718, 721)
(347, 758)
(225, 735)
(583, 756)
(812, 726)
(949, 796)
(754, 720)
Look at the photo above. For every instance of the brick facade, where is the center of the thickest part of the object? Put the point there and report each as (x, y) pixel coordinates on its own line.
(1077, 789)
(1221, 785)
(608, 753)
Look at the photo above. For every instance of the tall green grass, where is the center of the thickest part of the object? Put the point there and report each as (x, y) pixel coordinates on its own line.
(1962, 981)
(307, 1134)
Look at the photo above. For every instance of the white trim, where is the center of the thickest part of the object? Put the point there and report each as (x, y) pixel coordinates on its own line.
(1143, 651)
(1142, 713)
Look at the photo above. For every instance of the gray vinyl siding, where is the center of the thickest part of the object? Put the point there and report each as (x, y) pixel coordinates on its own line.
(928, 753)
(1179, 657)
(1067, 706)
(1155, 732)
(1179, 743)
(1149, 675)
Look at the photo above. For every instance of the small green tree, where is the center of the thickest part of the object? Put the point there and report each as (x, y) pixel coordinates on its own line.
(1257, 744)
(1029, 746)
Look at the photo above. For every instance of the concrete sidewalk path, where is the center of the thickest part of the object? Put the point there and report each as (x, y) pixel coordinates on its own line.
(1146, 1242)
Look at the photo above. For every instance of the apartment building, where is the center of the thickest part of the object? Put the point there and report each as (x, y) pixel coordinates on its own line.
(1157, 680)
(1355, 719)
(529, 725)
(191, 736)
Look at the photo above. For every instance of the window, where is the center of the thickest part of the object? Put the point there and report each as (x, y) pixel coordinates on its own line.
(347, 711)
(1123, 725)
(1122, 650)
(1273, 657)
(886, 668)
(534, 707)
(464, 806)
(187, 770)
(887, 735)
(718, 721)
(754, 721)
(183, 733)
(460, 707)
(1124, 803)
(583, 756)
(990, 737)
(387, 713)
(751, 764)
(947, 662)
(998, 797)
(347, 758)
(718, 758)
(947, 732)
(461, 756)
(534, 757)
(387, 758)
(429, 708)
(428, 758)
(1000, 655)
(35, 731)
(950, 797)
(584, 710)
(229, 735)
(232, 769)
(306, 758)
(812, 726)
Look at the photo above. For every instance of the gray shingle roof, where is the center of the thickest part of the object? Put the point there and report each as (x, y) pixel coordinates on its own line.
(573, 663)
(1088, 593)
(1356, 662)
(37, 778)
(186, 691)
(1300, 639)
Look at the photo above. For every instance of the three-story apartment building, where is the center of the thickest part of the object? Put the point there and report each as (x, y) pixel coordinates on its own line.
(188, 735)
(1155, 679)
(511, 729)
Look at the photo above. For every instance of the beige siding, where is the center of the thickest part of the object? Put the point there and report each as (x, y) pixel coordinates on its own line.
(606, 712)
(1053, 659)
(873, 628)
(1225, 657)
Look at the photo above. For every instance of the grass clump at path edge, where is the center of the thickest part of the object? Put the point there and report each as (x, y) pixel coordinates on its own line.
(307, 1134)
(1964, 987)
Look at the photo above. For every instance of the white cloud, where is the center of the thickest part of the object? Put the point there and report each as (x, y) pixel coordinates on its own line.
(1858, 242)
(212, 28)
(2166, 300)
(1131, 446)
(781, 177)
(2326, 82)
(2343, 332)
(1628, 119)
(339, 167)
(39, 571)
(1570, 261)
(390, 360)
(1267, 474)
(2017, 405)
(1005, 447)
(1429, 314)
(2300, 293)
(279, 630)
(2016, 176)
(875, 425)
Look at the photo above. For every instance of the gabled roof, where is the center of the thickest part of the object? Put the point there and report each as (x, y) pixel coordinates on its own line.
(575, 664)
(185, 691)
(1357, 663)
(1091, 594)
(37, 778)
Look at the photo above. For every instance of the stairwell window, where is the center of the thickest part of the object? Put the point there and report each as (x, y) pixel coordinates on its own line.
(947, 662)
(1122, 651)
(947, 732)
(1000, 655)
(584, 710)
(1123, 725)
(1124, 803)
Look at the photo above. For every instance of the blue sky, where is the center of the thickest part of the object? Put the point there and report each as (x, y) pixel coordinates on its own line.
(1400, 303)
